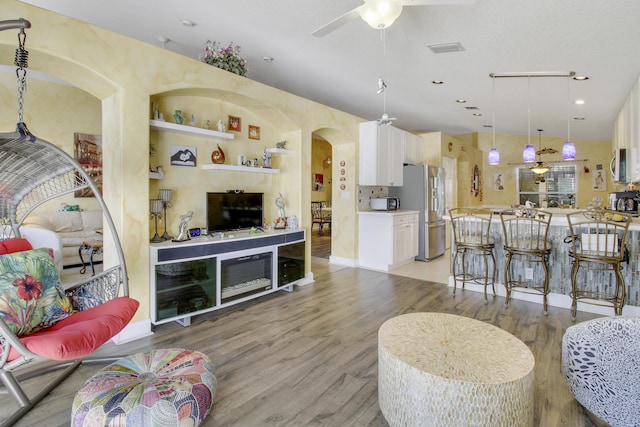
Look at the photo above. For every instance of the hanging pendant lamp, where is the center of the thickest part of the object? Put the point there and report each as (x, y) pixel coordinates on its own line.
(568, 149)
(494, 154)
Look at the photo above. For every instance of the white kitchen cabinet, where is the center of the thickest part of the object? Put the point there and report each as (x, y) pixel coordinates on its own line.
(387, 239)
(381, 155)
(413, 149)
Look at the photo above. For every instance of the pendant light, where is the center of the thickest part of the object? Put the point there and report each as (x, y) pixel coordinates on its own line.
(494, 154)
(568, 149)
(529, 153)
(540, 167)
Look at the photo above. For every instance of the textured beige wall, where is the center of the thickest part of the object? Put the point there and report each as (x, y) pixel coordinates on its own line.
(124, 75)
(589, 154)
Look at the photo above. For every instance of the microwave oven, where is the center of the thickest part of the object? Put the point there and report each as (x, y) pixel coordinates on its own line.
(385, 204)
(621, 165)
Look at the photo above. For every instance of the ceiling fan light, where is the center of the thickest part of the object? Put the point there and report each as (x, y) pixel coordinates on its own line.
(529, 154)
(380, 14)
(539, 168)
(494, 157)
(568, 151)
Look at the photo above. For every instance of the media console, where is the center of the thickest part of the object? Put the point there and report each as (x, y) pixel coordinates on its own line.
(209, 273)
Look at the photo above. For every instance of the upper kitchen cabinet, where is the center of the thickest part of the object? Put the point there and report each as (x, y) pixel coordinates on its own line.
(626, 130)
(381, 154)
(413, 149)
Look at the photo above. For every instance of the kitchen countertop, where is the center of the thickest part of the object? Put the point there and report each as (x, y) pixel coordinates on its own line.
(396, 212)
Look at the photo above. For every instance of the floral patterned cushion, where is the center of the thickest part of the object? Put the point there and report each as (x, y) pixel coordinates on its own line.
(30, 295)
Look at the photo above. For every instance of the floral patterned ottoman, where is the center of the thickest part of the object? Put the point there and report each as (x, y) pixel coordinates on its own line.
(164, 387)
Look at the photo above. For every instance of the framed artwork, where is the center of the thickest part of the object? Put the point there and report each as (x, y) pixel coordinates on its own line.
(183, 155)
(88, 152)
(498, 182)
(254, 132)
(234, 124)
(599, 182)
(318, 182)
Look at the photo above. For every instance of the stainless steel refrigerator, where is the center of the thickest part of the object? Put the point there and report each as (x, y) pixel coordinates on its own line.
(423, 190)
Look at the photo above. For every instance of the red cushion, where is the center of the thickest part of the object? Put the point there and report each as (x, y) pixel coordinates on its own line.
(10, 246)
(81, 333)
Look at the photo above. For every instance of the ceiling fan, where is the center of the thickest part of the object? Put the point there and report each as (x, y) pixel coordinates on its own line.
(381, 13)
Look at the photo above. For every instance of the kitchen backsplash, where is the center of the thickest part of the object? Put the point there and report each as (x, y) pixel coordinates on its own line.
(366, 193)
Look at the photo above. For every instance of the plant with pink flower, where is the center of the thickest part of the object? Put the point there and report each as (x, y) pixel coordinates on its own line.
(228, 58)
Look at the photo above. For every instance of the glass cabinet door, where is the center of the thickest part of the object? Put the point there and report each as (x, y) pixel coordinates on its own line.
(185, 287)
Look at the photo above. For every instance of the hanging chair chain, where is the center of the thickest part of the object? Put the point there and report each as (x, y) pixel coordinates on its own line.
(21, 61)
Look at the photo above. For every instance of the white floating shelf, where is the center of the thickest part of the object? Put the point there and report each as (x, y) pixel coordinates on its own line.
(189, 130)
(214, 166)
(155, 175)
(279, 151)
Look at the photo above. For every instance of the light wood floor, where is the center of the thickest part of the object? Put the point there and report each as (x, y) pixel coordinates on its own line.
(310, 357)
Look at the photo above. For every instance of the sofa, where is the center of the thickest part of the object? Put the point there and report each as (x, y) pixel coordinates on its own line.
(73, 228)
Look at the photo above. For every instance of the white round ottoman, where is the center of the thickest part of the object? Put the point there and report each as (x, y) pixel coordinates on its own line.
(165, 387)
(446, 370)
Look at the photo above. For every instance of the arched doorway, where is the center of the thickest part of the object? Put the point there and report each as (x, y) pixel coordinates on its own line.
(321, 196)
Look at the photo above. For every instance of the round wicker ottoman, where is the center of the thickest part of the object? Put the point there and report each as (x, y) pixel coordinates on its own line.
(447, 370)
(165, 387)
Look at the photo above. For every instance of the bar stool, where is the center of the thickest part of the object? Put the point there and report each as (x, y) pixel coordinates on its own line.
(471, 228)
(525, 241)
(598, 248)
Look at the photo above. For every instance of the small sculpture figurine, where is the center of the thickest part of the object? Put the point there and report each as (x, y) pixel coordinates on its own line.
(184, 227)
(206, 124)
(178, 117)
(266, 159)
(217, 156)
(193, 119)
(281, 144)
(221, 126)
(281, 221)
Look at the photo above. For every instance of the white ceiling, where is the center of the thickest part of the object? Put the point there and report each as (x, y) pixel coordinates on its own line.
(596, 38)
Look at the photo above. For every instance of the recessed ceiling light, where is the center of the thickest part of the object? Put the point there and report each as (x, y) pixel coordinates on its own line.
(487, 126)
(581, 78)
(267, 59)
(187, 23)
(477, 114)
(578, 118)
(461, 101)
(437, 82)
(579, 102)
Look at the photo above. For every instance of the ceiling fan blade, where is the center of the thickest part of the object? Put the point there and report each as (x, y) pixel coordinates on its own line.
(338, 22)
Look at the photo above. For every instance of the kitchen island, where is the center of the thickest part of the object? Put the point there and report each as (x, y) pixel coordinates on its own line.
(560, 268)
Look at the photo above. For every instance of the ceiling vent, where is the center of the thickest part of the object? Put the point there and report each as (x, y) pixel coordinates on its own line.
(471, 108)
(446, 47)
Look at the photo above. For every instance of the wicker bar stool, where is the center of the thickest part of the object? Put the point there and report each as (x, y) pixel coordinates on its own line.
(471, 228)
(525, 241)
(598, 249)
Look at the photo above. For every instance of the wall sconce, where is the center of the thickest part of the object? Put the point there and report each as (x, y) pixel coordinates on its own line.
(326, 162)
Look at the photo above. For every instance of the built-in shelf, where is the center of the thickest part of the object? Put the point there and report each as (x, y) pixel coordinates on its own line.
(189, 130)
(214, 166)
(278, 151)
(155, 175)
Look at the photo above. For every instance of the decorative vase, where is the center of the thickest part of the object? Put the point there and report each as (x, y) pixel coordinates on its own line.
(218, 156)
(178, 117)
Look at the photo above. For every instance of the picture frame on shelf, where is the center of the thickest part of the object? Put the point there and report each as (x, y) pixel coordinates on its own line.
(235, 124)
(183, 155)
(254, 132)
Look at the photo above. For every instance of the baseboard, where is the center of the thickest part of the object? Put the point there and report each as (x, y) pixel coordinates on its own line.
(133, 331)
(346, 262)
(553, 299)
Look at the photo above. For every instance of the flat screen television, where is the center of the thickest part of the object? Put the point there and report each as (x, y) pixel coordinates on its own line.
(234, 211)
